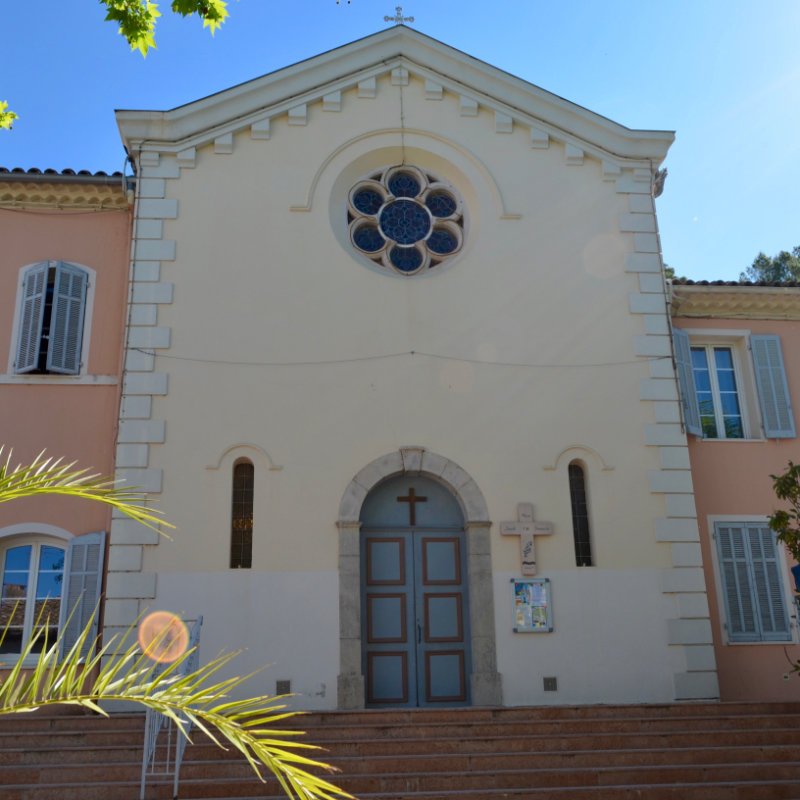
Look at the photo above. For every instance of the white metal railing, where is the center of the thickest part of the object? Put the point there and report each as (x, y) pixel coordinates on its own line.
(155, 721)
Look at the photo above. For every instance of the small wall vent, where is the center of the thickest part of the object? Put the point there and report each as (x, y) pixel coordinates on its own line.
(283, 687)
(551, 684)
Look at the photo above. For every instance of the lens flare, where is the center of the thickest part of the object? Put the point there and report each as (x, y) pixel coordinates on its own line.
(163, 637)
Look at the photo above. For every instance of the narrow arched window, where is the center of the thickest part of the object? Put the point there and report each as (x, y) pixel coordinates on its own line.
(580, 515)
(242, 516)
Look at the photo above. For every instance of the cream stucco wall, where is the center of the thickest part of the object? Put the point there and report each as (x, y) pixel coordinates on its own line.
(543, 341)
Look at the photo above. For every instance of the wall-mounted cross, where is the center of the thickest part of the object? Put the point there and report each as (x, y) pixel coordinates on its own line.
(526, 529)
(412, 500)
(398, 18)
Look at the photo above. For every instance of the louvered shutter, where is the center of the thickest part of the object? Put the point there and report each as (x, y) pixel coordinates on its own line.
(683, 363)
(30, 328)
(736, 577)
(776, 407)
(753, 588)
(772, 616)
(66, 322)
(83, 579)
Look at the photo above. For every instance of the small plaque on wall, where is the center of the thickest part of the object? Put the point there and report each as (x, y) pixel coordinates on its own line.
(533, 612)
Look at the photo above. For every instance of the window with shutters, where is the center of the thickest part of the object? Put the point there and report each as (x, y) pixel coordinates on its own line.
(717, 392)
(725, 380)
(751, 573)
(50, 585)
(32, 586)
(50, 319)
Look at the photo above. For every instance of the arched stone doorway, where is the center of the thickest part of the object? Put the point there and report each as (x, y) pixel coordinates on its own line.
(484, 680)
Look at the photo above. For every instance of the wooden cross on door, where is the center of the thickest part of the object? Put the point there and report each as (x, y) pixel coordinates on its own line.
(526, 529)
(412, 500)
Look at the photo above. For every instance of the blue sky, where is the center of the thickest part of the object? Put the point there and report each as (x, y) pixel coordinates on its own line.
(724, 75)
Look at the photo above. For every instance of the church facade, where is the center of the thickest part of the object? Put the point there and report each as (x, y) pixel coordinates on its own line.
(399, 369)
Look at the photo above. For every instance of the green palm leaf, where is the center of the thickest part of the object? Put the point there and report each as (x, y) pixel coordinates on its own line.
(123, 672)
(51, 476)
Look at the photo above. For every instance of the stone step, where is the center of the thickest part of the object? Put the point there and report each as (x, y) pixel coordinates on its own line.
(73, 748)
(704, 751)
(429, 776)
(494, 781)
(738, 790)
(88, 763)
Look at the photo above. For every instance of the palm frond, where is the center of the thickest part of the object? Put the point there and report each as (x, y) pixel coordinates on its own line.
(51, 476)
(121, 671)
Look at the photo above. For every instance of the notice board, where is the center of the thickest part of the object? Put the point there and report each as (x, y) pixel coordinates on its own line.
(532, 608)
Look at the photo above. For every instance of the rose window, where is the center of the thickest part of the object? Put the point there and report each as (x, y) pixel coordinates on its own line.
(405, 219)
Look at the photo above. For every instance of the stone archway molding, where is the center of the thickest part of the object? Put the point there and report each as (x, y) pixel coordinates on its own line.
(485, 681)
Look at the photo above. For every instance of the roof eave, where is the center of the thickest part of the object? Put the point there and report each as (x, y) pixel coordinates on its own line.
(169, 130)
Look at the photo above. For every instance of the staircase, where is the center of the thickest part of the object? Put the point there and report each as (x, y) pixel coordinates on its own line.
(708, 751)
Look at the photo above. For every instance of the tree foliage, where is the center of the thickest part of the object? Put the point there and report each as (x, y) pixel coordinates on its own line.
(786, 524)
(137, 23)
(6, 117)
(50, 476)
(780, 268)
(137, 18)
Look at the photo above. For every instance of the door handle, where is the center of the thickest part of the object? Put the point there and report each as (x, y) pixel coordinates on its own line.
(419, 633)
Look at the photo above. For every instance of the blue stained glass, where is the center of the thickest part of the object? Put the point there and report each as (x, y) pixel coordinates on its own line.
(405, 221)
(367, 201)
(441, 204)
(368, 239)
(406, 259)
(442, 242)
(404, 184)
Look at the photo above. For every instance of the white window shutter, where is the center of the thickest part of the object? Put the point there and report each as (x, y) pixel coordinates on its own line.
(66, 323)
(30, 328)
(83, 580)
(773, 393)
(751, 574)
(736, 579)
(772, 616)
(683, 363)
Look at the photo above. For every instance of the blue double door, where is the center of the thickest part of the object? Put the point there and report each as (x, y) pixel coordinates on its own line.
(415, 616)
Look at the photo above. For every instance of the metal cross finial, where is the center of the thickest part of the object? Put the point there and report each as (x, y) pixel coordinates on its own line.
(398, 18)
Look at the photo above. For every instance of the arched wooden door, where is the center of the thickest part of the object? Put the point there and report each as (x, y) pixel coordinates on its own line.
(414, 595)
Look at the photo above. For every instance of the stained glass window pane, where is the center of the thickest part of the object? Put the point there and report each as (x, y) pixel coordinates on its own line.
(368, 239)
(441, 204)
(367, 201)
(404, 184)
(405, 222)
(580, 516)
(441, 241)
(406, 259)
(242, 516)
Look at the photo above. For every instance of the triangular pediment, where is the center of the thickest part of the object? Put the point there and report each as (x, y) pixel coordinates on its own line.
(402, 54)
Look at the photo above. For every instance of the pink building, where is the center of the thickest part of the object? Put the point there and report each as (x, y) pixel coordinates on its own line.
(63, 281)
(738, 354)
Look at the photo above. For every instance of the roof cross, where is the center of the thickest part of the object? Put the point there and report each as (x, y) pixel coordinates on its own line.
(398, 18)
